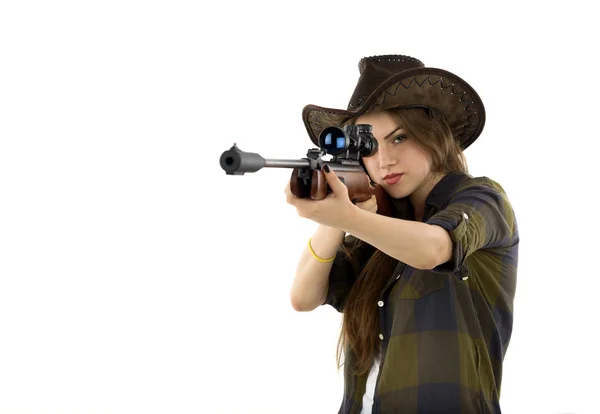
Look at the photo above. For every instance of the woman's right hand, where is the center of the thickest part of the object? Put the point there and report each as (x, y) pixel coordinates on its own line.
(368, 205)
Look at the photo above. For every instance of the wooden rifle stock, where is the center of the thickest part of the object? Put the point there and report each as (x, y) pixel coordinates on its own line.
(357, 182)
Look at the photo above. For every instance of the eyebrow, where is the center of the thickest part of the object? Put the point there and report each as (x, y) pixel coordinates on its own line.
(391, 133)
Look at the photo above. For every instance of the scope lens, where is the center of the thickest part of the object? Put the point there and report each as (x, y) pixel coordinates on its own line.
(333, 140)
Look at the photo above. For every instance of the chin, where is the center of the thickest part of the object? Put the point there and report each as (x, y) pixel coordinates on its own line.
(400, 194)
(396, 191)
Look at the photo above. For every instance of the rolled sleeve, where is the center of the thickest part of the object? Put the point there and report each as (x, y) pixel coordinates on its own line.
(345, 270)
(477, 217)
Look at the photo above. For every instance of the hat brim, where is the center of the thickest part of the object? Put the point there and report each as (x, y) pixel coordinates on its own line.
(432, 87)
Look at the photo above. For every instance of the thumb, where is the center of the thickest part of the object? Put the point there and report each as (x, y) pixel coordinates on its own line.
(334, 181)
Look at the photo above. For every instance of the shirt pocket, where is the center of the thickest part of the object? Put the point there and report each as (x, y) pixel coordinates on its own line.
(414, 283)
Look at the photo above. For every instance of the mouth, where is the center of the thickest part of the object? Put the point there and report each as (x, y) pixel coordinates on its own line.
(391, 179)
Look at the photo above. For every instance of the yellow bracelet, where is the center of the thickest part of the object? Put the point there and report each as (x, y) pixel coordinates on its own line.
(317, 257)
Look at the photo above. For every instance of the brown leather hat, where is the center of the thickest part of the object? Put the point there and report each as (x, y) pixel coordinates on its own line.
(391, 81)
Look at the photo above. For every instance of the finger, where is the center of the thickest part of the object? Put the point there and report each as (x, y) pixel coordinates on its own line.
(371, 200)
(292, 199)
(289, 197)
(361, 204)
(367, 204)
(333, 180)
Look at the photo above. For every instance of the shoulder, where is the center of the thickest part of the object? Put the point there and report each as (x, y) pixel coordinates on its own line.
(482, 196)
(482, 185)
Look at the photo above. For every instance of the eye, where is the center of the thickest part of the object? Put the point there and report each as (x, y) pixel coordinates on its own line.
(399, 138)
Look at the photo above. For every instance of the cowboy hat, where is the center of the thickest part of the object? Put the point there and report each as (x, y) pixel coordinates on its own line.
(392, 81)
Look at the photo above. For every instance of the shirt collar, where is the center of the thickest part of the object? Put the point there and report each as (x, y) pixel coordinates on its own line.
(440, 194)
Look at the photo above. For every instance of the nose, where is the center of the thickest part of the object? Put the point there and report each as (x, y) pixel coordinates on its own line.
(385, 159)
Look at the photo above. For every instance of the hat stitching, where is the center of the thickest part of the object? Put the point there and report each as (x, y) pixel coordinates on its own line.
(389, 58)
(357, 102)
(415, 81)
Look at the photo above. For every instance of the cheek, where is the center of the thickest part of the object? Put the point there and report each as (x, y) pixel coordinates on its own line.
(420, 163)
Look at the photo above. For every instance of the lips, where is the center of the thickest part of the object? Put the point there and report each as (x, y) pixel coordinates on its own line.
(392, 179)
(389, 176)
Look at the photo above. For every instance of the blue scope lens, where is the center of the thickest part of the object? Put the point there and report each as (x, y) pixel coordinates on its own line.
(333, 140)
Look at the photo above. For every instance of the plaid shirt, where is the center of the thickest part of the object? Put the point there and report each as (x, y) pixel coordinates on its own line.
(444, 332)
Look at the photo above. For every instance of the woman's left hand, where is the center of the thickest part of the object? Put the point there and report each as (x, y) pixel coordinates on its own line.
(334, 210)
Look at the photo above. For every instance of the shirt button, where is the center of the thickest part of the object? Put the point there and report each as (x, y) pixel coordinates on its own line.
(381, 336)
(465, 216)
(380, 303)
(465, 277)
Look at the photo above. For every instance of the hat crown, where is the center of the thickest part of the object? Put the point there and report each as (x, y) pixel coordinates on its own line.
(399, 81)
(374, 70)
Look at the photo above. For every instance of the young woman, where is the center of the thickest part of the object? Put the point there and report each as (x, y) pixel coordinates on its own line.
(427, 294)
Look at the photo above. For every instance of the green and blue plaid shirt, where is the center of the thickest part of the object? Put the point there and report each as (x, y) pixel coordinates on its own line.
(444, 332)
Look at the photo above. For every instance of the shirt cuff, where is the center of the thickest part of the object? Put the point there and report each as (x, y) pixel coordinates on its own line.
(456, 225)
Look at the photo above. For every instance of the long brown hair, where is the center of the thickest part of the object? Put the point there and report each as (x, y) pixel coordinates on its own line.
(360, 322)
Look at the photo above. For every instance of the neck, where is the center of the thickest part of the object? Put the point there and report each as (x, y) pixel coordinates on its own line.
(418, 197)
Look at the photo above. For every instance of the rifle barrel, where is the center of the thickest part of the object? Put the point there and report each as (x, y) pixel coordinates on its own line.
(275, 163)
(237, 162)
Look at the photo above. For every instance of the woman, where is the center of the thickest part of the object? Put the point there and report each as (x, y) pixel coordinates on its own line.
(427, 294)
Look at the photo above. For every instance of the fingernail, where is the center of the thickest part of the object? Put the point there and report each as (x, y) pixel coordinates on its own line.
(326, 168)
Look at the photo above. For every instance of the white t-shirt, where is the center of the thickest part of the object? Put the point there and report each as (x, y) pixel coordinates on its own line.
(367, 401)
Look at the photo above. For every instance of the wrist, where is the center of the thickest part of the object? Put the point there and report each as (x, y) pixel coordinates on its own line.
(351, 216)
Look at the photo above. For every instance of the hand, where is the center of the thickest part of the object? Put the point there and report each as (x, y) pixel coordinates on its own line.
(334, 210)
(368, 205)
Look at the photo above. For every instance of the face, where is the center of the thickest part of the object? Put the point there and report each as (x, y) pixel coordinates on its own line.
(397, 154)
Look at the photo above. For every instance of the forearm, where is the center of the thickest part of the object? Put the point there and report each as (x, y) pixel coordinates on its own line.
(412, 242)
(311, 282)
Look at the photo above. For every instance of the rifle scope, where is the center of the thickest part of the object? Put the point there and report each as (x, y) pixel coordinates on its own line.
(353, 139)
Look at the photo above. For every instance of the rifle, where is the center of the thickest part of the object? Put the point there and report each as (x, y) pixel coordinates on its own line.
(346, 146)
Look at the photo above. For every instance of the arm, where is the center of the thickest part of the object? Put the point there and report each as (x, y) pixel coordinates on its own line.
(479, 216)
(420, 245)
(317, 284)
(310, 285)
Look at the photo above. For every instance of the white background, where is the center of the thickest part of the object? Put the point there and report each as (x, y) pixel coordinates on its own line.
(137, 277)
